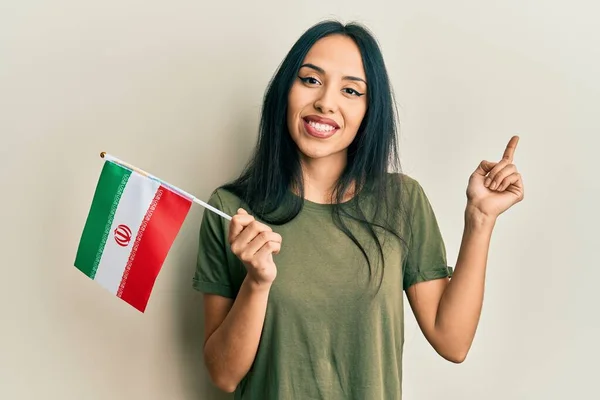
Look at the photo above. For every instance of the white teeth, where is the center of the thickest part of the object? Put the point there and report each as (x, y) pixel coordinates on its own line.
(321, 127)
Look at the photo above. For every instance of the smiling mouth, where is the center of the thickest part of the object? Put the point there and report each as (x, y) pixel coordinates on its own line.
(319, 129)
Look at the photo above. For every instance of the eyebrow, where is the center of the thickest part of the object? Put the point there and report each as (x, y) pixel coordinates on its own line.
(322, 71)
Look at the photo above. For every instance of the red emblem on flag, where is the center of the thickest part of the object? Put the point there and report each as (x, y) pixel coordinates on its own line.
(122, 235)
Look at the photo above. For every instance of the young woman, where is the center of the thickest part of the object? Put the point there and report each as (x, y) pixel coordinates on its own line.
(303, 288)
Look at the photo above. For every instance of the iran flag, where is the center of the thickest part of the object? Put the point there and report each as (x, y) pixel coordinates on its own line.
(132, 223)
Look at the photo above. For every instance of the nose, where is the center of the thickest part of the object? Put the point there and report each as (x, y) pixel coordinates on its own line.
(325, 102)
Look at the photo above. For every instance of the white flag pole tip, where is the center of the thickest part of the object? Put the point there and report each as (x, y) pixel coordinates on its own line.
(211, 208)
(194, 198)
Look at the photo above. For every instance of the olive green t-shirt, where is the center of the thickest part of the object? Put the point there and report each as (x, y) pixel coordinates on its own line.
(328, 333)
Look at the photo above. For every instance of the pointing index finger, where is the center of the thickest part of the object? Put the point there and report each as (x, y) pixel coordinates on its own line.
(510, 149)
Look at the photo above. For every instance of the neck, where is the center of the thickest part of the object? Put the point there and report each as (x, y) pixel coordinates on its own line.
(320, 177)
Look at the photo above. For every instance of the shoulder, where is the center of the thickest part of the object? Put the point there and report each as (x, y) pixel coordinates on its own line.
(225, 200)
(409, 194)
(408, 185)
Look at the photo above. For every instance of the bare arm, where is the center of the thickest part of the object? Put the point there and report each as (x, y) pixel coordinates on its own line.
(232, 333)
(233, 328)
(448, 311)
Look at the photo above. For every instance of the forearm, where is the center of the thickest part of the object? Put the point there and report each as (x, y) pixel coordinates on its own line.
(231, 349)
(460, 306)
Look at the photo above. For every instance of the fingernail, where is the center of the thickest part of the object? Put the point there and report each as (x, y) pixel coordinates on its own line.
(494, 186)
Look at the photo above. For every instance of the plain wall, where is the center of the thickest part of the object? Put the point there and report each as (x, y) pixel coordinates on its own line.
(175, 88)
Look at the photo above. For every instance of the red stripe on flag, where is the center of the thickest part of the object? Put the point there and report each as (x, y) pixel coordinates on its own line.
(156, 235)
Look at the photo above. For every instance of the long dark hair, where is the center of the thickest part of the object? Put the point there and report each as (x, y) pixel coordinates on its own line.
(274, 169)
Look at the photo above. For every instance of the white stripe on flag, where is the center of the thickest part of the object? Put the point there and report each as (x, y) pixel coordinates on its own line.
(135, 201)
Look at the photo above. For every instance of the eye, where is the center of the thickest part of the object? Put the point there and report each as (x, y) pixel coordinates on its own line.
(353, 92)
(309, 80)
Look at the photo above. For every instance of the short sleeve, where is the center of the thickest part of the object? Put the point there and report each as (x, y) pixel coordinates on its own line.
(212, 273)
(426, 258)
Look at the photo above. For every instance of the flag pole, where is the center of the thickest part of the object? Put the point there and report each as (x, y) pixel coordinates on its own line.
(108, 157)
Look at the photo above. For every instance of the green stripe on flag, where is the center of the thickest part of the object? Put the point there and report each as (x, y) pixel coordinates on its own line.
(111, 183)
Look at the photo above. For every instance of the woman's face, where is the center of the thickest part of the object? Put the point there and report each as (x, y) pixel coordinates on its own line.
(328, 101)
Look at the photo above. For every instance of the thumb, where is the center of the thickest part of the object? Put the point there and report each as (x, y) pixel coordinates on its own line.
(485, 167)
(242, 211)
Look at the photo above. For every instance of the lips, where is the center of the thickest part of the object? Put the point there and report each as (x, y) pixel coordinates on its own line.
(319, 127)
(321, 120)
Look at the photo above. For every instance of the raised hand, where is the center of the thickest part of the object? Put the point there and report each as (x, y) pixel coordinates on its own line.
(496, 186)
(254, 243)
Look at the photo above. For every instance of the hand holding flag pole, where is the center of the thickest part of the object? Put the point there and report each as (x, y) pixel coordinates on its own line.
(176, 189)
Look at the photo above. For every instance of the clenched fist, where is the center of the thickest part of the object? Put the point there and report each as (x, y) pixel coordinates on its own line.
(254, 243)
